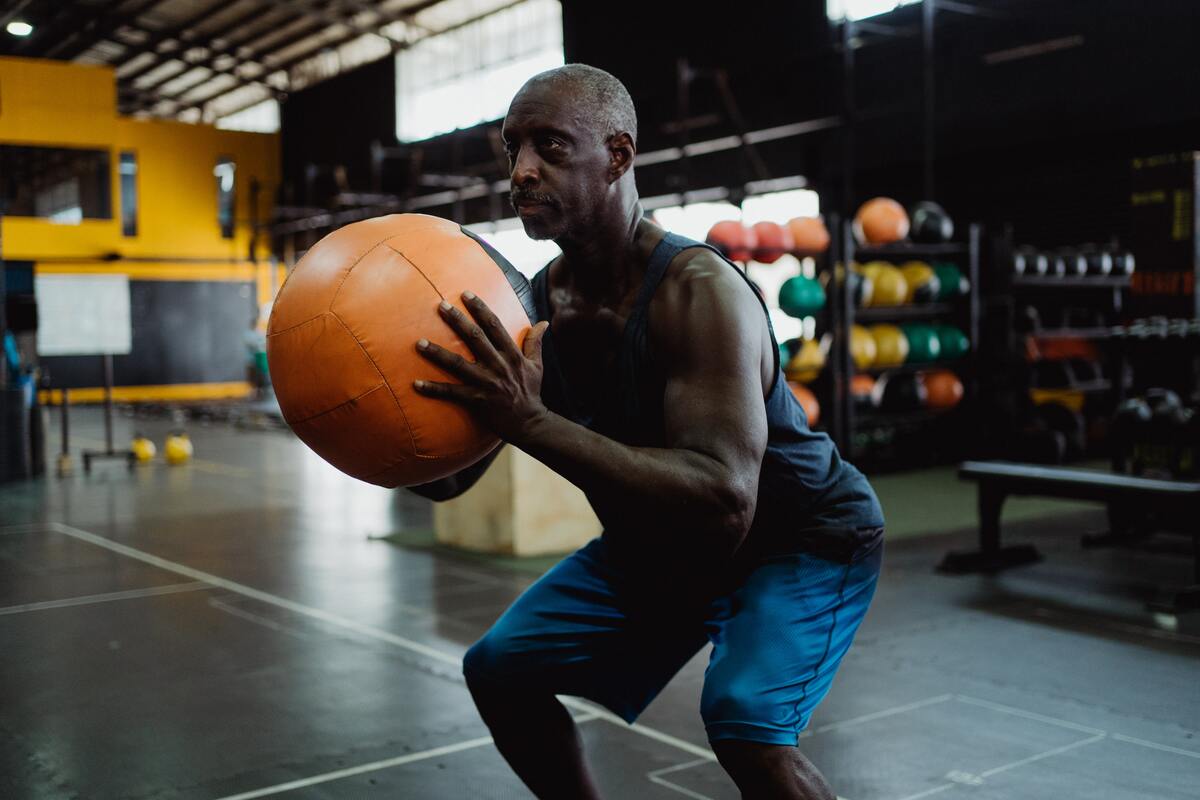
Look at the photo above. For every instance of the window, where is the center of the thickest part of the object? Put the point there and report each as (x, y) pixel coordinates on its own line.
(861, 9)
(469, 75)
(262, 117)
(64, 185)
(224, 172)
(129, 199)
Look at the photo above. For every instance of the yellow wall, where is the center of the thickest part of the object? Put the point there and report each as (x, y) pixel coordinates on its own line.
(58, 104)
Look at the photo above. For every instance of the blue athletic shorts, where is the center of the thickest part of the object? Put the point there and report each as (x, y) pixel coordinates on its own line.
(778, 637)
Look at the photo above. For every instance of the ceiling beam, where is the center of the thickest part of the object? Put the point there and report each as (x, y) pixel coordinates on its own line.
(338, 42)
(175, 35)
(98, 24)
(258, 56)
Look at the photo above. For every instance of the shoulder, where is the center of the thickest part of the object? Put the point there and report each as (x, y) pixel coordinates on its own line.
(698, 280)
(702, 295)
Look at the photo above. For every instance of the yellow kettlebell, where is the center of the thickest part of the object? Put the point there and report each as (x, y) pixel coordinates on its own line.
(177, 448)
(143, 449)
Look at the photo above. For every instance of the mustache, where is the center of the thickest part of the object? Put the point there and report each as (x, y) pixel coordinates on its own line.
(529, 196)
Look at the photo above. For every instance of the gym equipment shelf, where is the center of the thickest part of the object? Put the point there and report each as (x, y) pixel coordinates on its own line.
(900, 313)
(1073, 333)
(912, 250)
(845, 420)
(928, 366)
(1082, 282)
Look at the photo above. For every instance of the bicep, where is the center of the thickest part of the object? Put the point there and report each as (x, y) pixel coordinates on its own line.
(713, 403)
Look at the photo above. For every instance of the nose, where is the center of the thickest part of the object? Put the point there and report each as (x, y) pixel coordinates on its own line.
(525, 168)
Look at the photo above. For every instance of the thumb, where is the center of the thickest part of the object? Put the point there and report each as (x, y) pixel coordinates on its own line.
(533, 341)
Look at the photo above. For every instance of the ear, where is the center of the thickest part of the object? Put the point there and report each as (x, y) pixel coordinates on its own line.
(621, 152)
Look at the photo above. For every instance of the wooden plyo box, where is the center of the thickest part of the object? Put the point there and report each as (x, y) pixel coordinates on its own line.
(519, 507)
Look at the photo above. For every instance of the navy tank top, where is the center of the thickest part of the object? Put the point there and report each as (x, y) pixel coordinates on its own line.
(809, 499)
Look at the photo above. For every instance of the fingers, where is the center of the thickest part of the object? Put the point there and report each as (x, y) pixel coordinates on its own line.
(533, 341)
(473, 335)
(453, 392)
(466, 371)
(491, 324)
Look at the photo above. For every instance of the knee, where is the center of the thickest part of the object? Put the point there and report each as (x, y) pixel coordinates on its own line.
(482, 663)
(736, 703)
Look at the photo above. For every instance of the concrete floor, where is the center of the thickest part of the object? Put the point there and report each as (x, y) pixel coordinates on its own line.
(236, 628)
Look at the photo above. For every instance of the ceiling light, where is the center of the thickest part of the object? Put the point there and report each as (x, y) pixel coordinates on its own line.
(18, 28)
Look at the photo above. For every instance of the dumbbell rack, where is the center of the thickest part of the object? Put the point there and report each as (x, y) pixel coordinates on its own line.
(1105, 294)
(845, 421)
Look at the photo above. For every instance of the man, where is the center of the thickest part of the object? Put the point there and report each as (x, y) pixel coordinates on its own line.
(653, 383)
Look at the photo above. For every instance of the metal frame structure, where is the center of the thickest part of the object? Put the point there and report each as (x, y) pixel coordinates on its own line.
(175, 57)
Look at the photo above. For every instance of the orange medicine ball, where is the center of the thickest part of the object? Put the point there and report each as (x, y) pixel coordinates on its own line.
(341, 345)
(771, 241)
(733, 239)
(880, 220)
(810, 237)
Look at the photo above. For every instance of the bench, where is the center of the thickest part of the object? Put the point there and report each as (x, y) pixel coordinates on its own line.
(1123, 494)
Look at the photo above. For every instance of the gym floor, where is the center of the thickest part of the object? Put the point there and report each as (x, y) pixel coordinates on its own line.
(240, 628)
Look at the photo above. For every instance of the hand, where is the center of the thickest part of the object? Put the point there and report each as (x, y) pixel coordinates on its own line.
(503, 386)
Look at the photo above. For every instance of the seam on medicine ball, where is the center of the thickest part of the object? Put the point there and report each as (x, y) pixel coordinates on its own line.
(432, 285)
(309, 321)
(374, 388)
(399, 406)
(349, 269)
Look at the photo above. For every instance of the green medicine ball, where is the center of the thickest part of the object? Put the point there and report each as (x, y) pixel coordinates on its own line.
(954, 343)
(801, 297)
(923, 344)
(952, 283)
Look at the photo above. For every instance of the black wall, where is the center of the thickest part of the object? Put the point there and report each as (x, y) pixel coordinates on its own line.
(334, 122)
(183, 332)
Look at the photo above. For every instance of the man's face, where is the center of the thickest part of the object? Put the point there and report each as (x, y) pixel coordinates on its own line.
(558, 168)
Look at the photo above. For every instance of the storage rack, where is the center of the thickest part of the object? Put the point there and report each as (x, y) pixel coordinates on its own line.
(846, 421)
(1104, 294)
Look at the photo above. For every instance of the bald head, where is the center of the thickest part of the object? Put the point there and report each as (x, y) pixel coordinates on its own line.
(600, 100)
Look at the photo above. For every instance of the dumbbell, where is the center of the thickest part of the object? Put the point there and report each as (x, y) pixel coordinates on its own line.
(1122, 263)
(1028, 262)
(1075, 263)
(1098, 263)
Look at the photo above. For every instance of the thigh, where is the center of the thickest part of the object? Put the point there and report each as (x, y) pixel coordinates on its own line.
(777, 642)
(579, 631)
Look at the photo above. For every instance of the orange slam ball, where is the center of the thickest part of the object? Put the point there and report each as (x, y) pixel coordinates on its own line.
(810, 237)
(881, 220)
(733, 239)
(341, 345)
(772, 241)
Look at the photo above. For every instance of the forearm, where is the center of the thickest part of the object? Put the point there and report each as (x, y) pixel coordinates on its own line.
(671, 489)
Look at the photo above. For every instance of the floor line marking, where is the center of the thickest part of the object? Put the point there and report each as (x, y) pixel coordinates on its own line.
(649, 733)
(350, 772)
(374, 766)
(929, 792)
(261, 596)
(678, 767)
(1040, 756)
(107, 597)
(1017, 712)
(929, 701)
(1166, 748)
(357, 627)
(256, 619)
(677, 788)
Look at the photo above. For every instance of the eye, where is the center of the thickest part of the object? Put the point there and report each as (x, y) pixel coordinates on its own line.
(550, 143)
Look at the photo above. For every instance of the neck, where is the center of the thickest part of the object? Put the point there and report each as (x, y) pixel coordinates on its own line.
(605, 261)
